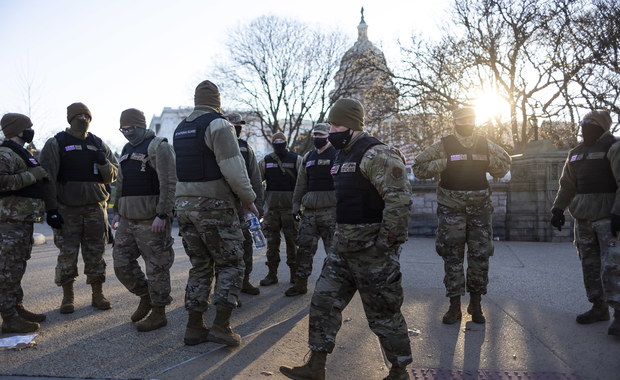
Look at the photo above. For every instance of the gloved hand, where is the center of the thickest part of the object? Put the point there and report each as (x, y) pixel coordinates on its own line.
(100, 157)
(54, 219)
(615, 224)
(558, 219)
(39, 173)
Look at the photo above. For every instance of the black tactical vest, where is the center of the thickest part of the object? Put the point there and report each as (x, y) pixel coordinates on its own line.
(318, 167)
(77, 158)
(592, 168)
(245, 153)
(467, 167)
(36, 190)
(281, 178)
(357, 200)
(195, 161)
(139, 178)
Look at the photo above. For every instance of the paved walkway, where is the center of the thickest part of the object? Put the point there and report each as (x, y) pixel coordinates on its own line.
(535, 292)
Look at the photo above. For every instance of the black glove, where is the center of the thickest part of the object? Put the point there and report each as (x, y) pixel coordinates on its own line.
(54, 219)
(615, 224)
(100, 157)
(557, 220)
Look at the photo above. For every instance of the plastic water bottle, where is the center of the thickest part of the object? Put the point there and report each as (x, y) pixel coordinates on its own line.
(254, 227)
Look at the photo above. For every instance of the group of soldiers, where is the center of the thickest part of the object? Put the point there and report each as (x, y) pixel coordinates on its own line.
(351, 190)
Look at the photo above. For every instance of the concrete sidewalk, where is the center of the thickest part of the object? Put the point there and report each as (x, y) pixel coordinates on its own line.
(535, 291)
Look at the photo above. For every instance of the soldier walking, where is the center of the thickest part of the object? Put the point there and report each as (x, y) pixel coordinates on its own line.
(588, 187)
(372, 211)
(314, 191)
(251, 166)
(464, 209)
(22, 189)
(143, 212)
(80, 166)
(279, 171)
(212, 179)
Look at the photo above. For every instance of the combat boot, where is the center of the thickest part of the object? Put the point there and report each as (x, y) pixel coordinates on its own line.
(598, 312)
(220, 331)
(66, 306)
(271, 278)
(614, 328)
(28, 315)
(397, 373)
(475, 308)
(196, 331)
(314, 369)
(247, 288)
(99, 301)
(143, 309)
(300, 287)
(13, 323)
(454, 312)
(155, 320)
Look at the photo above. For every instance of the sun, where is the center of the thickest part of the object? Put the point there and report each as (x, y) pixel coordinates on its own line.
(490, 106)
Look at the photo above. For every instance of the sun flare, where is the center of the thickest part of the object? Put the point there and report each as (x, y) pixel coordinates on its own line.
(490, 106)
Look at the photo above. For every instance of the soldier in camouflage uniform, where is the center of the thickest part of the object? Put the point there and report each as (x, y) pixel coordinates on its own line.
(143, 207)
(279, 171)
(314, 192)
(372, 211)
(81, 167)
(212, 179)
(589, 188)
(251, 166)
(464, 208)
(22, 187)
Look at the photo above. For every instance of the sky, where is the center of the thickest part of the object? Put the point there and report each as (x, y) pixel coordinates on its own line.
(150, 54)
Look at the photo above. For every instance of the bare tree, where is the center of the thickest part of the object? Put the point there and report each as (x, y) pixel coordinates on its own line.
(282, 71)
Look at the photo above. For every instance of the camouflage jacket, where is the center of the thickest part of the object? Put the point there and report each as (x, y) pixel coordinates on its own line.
(593, 206)
(384, 167)
(432, 161)
(14, 175)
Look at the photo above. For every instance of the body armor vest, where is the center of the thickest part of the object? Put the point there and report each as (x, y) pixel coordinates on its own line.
(139, 178)
(35, 190)
(592, 168)
(281, 178)
(357, 200)
(77, 158)
(318, 167)
(195, 161)
(467, 167)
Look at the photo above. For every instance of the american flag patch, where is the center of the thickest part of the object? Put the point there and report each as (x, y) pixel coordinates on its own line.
(309, 163)
(33, 161)
(334, 169)
(576, 157)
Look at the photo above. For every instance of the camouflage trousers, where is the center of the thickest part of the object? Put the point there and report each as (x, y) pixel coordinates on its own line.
(599, 252)
(85, 227)
(15, 249)
(133, 239)
(213, 241)
(275, 221)
(376, 275)
(248, 250)
(314, 224)
(457, 228)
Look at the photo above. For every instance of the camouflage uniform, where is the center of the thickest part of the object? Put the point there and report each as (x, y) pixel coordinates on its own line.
(598, 250)
(134, 236)
(464, 218)
(17, 215)
(365, 258)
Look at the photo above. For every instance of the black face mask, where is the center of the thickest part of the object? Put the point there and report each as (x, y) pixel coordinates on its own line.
(79, 124)
(319, 142)
(279, 148)
(591, 133)
(238, 130)
(340, 139)
(28, 135)
(464, 130)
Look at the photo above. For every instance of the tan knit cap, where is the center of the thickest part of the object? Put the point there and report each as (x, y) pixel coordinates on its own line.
(14, 123)
(348, 113)
(207, 94)
(278, 136)
(602, 118)
(133, 117)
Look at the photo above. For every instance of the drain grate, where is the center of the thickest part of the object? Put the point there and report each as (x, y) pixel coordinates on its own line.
(446, 374)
